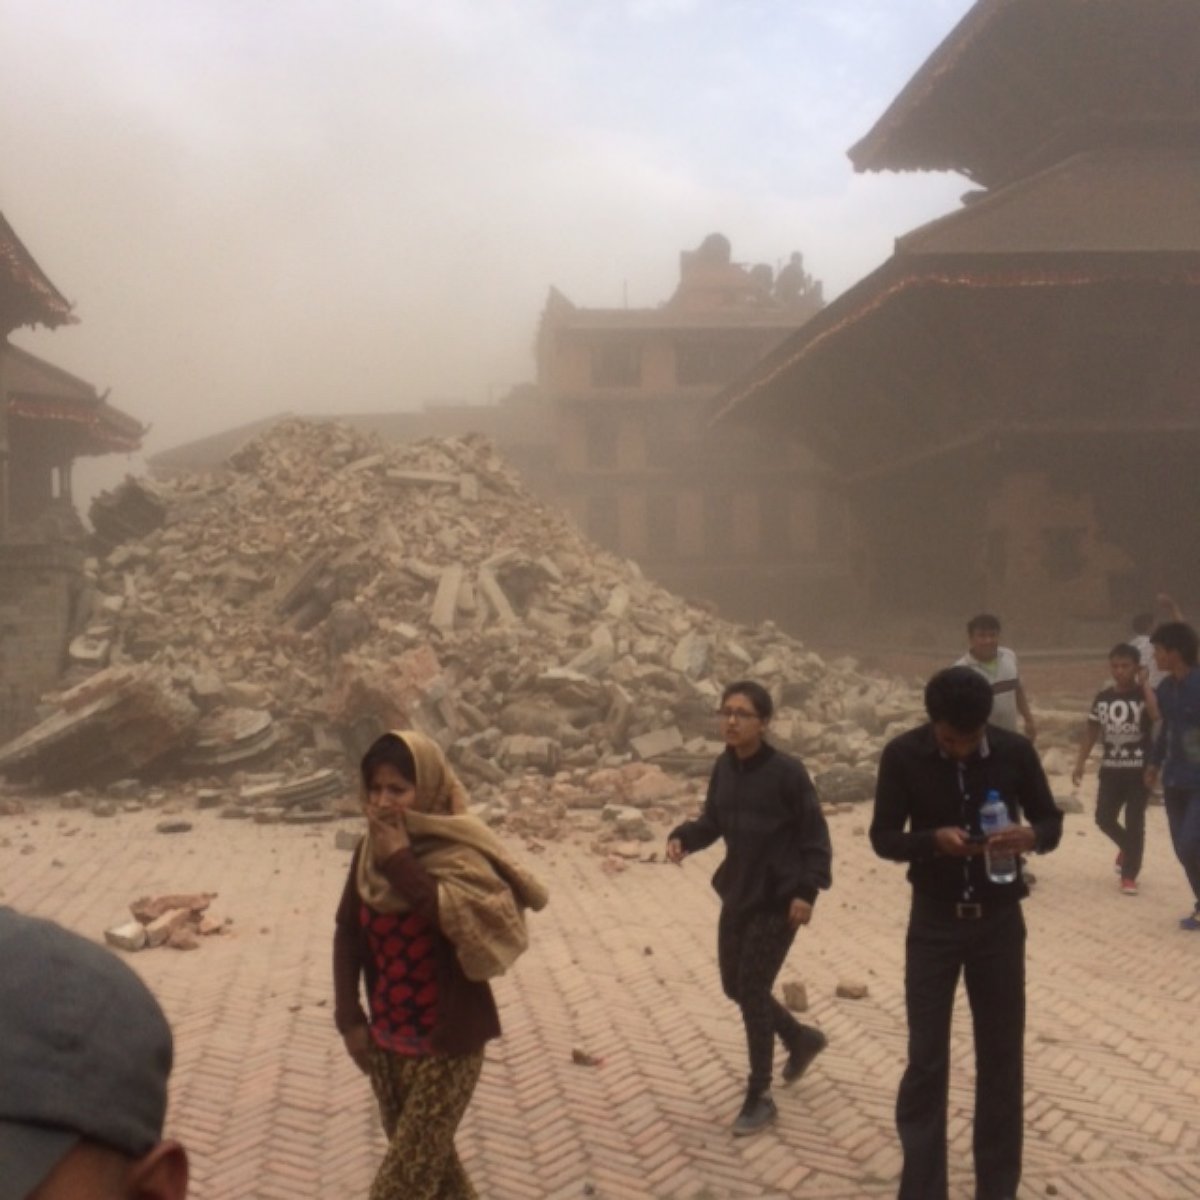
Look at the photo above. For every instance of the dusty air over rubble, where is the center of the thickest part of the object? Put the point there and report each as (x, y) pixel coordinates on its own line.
(491, 496)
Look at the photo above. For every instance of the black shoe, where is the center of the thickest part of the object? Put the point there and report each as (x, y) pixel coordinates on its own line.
(812, 1042)
(757, 1113)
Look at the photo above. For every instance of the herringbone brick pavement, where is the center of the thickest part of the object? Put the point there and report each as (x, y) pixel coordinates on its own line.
(623, 967)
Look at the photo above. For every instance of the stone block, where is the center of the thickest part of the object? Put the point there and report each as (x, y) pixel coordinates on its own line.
(691, 655)
(445, 600)
(795, 996)
(130, 936)
(162, 927)
(658, 741)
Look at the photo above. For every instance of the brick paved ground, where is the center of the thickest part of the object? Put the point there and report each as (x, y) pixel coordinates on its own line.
(623, 967)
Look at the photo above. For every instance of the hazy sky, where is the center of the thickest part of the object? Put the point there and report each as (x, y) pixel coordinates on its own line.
(357, 205)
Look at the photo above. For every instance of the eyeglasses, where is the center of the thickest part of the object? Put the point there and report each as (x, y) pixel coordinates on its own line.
(737, 714)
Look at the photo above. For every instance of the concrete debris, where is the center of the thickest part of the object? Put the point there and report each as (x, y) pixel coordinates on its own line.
(325, 585)
(795, 995)
(130, 936)
(852, 990)
(178, 921)
(162, 927)
(660, 741)
(118, 722)
(843, 784)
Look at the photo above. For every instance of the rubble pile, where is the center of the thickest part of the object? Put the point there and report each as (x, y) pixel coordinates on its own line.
(177, 921)
(325, 585)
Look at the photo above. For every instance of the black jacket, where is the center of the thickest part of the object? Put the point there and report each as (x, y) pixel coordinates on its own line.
(918, 791)
(777, 845)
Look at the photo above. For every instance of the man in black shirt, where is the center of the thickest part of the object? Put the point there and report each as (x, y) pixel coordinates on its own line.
(932, 782)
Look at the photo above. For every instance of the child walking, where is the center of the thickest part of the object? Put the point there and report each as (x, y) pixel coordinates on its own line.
(1121, 715)
(432, 909)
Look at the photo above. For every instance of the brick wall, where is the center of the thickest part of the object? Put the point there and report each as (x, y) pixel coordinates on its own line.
(37, 584)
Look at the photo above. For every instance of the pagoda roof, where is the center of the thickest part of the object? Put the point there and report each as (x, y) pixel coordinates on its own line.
(27, 297)
(1116, 201)
(38, 391)
(1019, 84)
(1114, 219)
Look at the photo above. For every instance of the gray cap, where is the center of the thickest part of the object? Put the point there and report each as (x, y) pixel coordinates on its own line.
(85, 1052)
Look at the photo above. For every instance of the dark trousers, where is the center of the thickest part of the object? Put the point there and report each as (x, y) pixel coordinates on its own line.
(1183, 816)
(990, 953)
(750, 951)
(1124, 788)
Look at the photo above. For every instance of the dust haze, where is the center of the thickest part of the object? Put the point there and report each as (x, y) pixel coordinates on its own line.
(317, 208)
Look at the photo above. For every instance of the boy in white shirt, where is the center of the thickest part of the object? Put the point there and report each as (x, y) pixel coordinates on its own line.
(998, 665)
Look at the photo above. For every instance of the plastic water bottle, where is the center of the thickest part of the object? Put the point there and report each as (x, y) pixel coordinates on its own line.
(993, 816)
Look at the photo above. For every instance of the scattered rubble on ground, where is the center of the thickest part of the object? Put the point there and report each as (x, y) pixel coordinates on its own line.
(325, 585)
(177, 921)
(248, 631)
(795, 995)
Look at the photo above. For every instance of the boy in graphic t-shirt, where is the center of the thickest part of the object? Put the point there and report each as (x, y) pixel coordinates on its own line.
(1122, 717)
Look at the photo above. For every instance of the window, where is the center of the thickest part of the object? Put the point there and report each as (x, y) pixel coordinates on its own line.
(1062, 553)
(670, 433)
(601, 433)
(603, 520)
(712, 360)
(718, 524)
(617, 364)
(831, 525)
(996, 555)
(662, 525)
(775, 521)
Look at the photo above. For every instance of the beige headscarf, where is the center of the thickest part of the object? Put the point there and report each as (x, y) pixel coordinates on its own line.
(482, 890)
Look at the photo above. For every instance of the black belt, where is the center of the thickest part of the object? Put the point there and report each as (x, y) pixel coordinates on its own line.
(961, 910)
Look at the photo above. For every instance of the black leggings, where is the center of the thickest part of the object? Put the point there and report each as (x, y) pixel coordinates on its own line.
(750, 951)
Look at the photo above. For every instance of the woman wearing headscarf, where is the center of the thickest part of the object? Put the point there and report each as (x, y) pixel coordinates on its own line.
(432, 909)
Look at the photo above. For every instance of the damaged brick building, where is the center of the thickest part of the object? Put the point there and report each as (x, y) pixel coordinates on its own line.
(48, 419)
(1011, 399)
(735, 516)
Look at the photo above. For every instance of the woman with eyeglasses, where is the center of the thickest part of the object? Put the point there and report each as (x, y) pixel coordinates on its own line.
(777, 858)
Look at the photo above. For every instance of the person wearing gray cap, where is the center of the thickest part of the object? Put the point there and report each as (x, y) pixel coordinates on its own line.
(85, 1054)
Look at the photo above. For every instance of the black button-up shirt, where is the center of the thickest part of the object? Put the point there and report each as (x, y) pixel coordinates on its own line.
(919, 790)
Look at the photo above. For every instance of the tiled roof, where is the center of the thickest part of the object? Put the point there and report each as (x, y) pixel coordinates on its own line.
(27, 297)
(1018, 83)
(36, 390)
(1116, 217)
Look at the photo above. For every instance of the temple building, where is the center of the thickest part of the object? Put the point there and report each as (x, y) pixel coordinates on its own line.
(1012, 400)
(48, 420)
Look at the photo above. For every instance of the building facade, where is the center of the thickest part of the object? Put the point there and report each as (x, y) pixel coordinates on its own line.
(751, 523)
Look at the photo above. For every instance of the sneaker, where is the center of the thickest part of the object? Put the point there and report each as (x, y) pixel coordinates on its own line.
(1129, 887)
(812, 1042)
(757, 1113)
